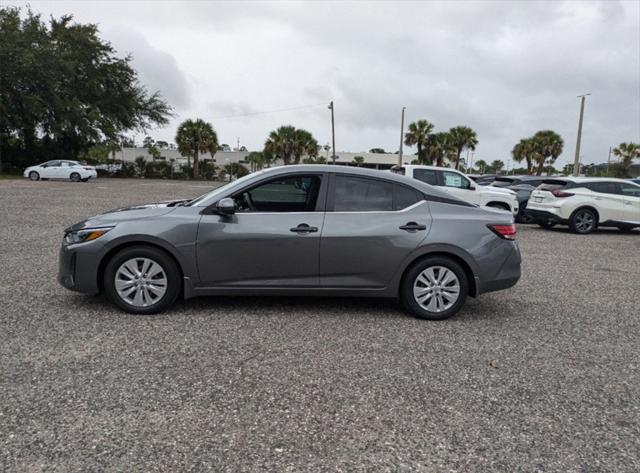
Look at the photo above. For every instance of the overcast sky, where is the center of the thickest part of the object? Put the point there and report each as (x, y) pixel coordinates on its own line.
(506, 69)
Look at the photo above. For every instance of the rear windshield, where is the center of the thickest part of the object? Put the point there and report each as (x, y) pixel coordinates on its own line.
(553, 184)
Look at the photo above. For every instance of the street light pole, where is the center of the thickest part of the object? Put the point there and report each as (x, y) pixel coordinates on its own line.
(576, 160)
(608, 161)
(401, 136)
(333, 135)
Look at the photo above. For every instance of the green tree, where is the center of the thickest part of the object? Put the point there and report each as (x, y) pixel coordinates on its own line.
(235, 170)
(627, 152)
(496, 166)
(280, 143)
(257, 160)
(377, 151)
(547, 146)
(524, 151)
(151, 147)
(303, 144)
(64, 89)
(194, 137)
(358, 160)
(141, 166)
(482, 165)
(417, 134)
(439, 148)
(462, 137)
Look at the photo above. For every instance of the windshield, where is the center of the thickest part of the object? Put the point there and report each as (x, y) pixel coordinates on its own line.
(220, 190)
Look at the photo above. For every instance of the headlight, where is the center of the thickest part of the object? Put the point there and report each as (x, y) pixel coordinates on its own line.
(85, 235)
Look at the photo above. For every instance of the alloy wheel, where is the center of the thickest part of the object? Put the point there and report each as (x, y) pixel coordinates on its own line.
(584, 222)
(436, 289)
(140, 282)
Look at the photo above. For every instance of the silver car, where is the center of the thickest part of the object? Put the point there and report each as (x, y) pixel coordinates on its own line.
(297, 230)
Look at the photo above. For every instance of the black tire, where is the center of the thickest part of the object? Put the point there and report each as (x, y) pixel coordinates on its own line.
(626, 229)
(34, 176)
(406, 289)
(522, 217)
(86, 179)
(75, 177)
(158, 256)
(583, 221)
(546, 224)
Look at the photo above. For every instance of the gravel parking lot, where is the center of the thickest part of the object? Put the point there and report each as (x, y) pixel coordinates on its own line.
(542, 377)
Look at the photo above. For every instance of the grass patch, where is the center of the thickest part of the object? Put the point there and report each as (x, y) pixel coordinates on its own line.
(4, 177)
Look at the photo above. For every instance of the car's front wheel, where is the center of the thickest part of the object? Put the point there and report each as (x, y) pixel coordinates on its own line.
(142, 280)
(34, 176)
(434, 288)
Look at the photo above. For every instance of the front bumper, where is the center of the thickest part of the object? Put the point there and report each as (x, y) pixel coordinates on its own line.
(78, 269)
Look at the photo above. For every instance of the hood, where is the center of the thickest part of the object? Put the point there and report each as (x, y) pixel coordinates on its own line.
(137, 212)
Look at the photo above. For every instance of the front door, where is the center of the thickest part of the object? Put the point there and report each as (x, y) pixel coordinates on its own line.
(50, 170)
(371, 225)
(630, 202)
(272, 240)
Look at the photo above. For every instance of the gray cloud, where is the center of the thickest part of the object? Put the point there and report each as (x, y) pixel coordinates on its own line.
(507, 69)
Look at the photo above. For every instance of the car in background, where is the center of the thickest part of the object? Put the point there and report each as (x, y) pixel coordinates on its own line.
(522, 186)
(483, 179)
(61, 169)
(461, 186)
(586, 203)
(299, 230)
(635, 180)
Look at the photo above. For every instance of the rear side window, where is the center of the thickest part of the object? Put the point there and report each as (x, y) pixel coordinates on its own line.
(606, 187)
(357, 194)
(405, 197)
(426, 175)
(630, 190)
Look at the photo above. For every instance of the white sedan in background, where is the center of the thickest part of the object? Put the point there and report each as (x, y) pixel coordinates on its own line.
(61, 169)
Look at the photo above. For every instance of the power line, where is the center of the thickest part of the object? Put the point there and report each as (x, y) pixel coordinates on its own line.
(249, 114)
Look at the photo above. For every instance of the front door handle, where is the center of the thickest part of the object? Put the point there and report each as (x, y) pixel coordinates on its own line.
(413, 227)
(304, 228)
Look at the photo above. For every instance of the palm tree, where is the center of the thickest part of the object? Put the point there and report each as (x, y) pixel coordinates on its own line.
(439, 148)
(303, 143)
(256, 160)
(496, 166)
(194, 137)
(462, 137)
(358, 160)
(547, 145)
(482, 165)
(524, 150)
(280, 143)
(418, 135)
(627, 152)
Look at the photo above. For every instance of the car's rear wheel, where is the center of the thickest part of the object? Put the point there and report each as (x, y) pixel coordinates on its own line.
(583, 221)
(142, 280)
(434, 288)
(75, 177)
(34, 176)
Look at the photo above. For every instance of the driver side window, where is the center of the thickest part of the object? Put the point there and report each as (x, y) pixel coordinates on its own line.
(283, 194)
(453, 179)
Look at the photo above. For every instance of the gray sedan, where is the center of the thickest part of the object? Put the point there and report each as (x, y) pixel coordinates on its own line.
(297, 230)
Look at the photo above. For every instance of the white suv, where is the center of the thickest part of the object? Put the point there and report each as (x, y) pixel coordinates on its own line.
(462, 186)
(586, 203)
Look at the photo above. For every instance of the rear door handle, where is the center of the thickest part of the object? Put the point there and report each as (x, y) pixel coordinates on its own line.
(304, 228)
(626, 202)
(413, 227)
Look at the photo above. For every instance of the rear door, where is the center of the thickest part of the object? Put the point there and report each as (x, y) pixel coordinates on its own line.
(370, 226)
(272, 240)
(630, 202)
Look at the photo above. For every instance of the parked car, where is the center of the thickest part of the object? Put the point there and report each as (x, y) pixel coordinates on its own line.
(483, 179)
(297, 230)
(461, 186)
(586, 203)
(61, 169)
(522, 186)
(635, 180)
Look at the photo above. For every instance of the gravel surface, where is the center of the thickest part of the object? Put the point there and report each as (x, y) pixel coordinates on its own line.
(541, 377)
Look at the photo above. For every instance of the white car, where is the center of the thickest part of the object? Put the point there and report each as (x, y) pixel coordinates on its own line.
(586, 203)
(61, 169)
(462, 186)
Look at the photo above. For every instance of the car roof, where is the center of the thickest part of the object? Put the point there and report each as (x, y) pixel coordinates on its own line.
(579, 180)
(358, 171)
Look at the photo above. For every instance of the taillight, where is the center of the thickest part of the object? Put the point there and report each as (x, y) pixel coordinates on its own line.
(508, 232)
(558, 193)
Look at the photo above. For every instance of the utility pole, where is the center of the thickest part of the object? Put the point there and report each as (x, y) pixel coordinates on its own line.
(608, 161)
(401, 136)
(576, 161)
(333, 135)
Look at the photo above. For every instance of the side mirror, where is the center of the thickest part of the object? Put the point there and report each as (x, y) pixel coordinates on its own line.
(226, 206)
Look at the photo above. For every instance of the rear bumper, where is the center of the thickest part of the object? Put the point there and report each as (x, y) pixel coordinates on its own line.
(507, 276)
(544, 215)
